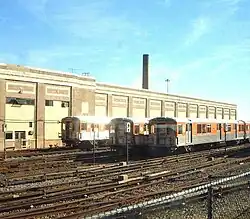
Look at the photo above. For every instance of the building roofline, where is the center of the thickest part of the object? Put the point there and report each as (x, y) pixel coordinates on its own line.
(161, 93)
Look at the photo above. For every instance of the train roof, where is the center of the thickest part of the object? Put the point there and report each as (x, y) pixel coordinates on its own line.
(139, 119)
(106, 120)
(201, 120)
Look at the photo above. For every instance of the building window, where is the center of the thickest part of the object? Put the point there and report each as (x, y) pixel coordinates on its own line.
(229, 128)
(19, 101)
(180, 129)
(49, 103)
(30, 124)
(9, 135)
(65, 104)
(20, 135)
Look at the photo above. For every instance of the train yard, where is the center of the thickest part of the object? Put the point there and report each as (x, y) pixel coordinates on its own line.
(67, 185)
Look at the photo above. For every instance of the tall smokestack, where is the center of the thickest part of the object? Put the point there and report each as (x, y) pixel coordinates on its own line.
(145, 71)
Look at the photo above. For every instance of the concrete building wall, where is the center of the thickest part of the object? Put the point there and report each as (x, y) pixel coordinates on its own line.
(40, 115)
(181, 110)
(101, 104)
(211, 112)
(226, 113)
(154, 108)
(83, 102)
(138, 107)
(57, 99)
(233, 115)
(119, 106)
(170, 109)
(219, 113)
(20, 114)
(193, 111)
(202, 112)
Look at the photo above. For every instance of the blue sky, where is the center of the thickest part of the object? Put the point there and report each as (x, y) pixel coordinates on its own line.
(202, 46)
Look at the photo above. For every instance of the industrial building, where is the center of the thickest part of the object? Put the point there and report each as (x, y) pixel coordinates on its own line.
(33, 101)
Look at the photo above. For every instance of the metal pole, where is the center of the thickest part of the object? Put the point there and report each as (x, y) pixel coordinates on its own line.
(210, 201)
(225, 140)
(127, 146)
(94, 148)
(167, 81)
(4, 141)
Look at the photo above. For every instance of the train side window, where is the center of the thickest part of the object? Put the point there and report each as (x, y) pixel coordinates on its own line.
(112, 129)
(106, 127)
(83, 126)
(203, 128)
(229, 128)
(198, 128)
(8, 135)
(209, 128)
(141, 129)
(63, 126)
(152, 129)
(137, 129)
(180, 129)
(96, 128)
(101, 127)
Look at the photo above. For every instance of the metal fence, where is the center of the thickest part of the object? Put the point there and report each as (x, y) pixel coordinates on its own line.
(221, 198)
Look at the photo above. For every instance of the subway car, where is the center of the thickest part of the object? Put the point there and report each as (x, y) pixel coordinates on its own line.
(150, 135)
(85, 131)
(137, 136)
(170, 134)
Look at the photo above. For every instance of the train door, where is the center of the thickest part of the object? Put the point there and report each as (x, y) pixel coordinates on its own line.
(245, 133)
(68, 129)
(94, 133)
(220, 131)
(188, 133)
(235, 131)
(225, 131)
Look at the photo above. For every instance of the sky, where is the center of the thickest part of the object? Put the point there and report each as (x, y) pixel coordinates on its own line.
(202, 46)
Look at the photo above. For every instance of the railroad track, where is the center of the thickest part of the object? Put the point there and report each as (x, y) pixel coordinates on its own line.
(47, 151)
(128, 192)
(48, 161)
(49, 170)
(78, 197)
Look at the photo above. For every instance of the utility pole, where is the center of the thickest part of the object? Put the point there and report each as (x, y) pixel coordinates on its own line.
(167, 81)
